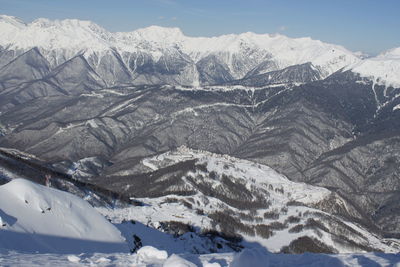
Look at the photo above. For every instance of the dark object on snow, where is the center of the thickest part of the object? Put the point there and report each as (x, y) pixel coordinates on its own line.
(137, 242)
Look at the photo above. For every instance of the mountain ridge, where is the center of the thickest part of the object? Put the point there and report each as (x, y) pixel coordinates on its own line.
(60, 40)
(238, 54)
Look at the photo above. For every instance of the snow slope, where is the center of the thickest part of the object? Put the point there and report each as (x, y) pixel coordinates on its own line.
(240, 52)
(37, 218)
(252, 174)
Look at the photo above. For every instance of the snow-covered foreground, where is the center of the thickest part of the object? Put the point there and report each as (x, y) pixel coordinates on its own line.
(41, 226)
(150, 256)
(35, 218)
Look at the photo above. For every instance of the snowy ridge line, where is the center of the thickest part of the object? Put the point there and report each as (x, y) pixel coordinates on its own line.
(264, 174)
(61, 40)
(71, 36)
(63, 176)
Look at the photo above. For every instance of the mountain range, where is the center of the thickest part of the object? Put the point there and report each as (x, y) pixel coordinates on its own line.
(97, 105)
(157, 55)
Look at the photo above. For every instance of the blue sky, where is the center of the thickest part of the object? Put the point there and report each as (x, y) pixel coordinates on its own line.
(360, 25)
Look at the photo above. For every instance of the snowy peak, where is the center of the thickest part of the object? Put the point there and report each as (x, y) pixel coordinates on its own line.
(68, 26)
(46, 23)
(383, 69)
(9, 27)
(10, 21)
(159, 34)
(283, 50)
(393, 53)
(46, 34)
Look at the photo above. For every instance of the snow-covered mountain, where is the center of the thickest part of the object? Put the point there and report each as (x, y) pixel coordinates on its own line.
(158, 55)
(189, 189)
(165, 55)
